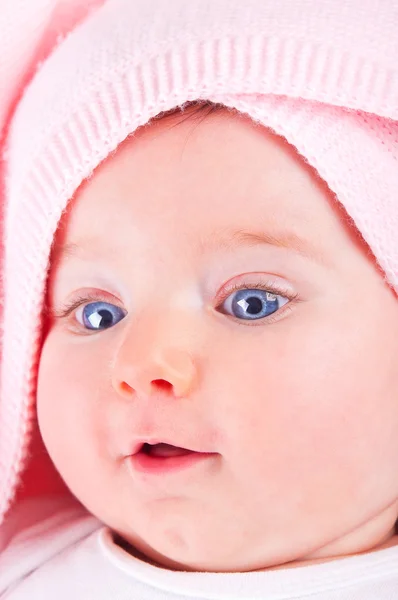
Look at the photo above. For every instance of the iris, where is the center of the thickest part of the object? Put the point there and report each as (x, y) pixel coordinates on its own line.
(253, 304)
(101, 315)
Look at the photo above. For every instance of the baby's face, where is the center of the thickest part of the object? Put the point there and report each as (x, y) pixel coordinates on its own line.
(221, 305)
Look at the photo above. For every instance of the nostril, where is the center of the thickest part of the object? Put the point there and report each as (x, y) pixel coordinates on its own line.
(162, 384)
(125, 387)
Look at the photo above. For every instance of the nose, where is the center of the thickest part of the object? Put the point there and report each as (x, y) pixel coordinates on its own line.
(154, 366)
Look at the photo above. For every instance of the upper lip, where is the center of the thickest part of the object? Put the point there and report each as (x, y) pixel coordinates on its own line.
(139, 443)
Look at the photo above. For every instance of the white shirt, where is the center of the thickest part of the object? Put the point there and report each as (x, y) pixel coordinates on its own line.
(52, 548)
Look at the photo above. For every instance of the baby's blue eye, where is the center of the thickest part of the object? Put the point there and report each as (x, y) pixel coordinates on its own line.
(99, 315)
(251, 304)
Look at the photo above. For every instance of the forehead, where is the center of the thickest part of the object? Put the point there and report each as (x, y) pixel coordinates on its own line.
(200, 176)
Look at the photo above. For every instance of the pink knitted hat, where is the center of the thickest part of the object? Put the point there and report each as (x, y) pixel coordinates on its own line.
(322, 74)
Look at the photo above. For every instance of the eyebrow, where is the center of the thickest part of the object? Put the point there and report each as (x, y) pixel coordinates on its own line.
(228, 239)
(221, 239)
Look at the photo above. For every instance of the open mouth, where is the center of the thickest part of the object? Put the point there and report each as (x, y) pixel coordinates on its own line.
(163, 459)
(163, 450)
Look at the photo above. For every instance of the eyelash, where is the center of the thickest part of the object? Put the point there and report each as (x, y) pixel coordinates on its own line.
(69, 307)
(269, 286)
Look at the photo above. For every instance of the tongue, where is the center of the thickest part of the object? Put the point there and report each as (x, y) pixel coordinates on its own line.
(165, 451)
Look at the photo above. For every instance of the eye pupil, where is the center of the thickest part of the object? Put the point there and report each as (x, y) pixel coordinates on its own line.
(255, 305)
(106, 317)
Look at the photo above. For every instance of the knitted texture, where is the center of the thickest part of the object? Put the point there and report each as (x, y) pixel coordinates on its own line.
(322, 74)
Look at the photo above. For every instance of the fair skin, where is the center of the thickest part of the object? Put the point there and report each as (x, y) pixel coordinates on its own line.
(299, 406)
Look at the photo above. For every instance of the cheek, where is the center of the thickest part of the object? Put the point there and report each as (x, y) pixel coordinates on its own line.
(306, 393)
(67, 407)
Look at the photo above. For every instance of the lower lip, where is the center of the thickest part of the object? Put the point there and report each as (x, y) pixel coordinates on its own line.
(153, 465)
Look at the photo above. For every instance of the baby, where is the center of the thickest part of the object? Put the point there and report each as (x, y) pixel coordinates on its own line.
(210, 341)
(206, 298)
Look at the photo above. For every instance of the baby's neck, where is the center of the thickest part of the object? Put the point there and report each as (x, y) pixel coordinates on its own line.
(304, 563)
(392, 541)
